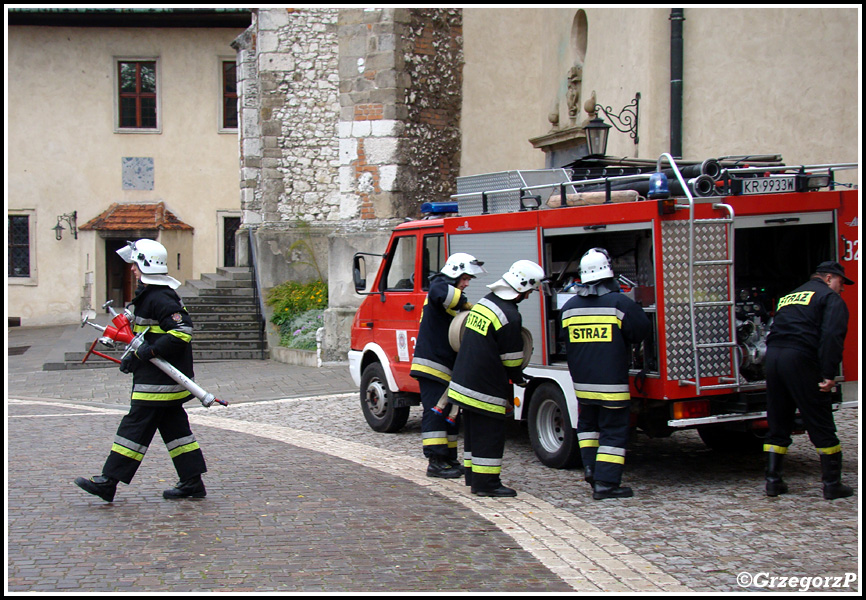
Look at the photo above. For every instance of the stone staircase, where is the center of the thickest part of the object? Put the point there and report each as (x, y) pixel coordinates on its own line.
(225, 315)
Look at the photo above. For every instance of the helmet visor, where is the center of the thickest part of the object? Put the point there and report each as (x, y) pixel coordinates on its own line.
(475, 268)
(126, 252)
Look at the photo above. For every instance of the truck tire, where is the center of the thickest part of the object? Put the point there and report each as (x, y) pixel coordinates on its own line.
(553, 439)
(724, 440)
(378, 402)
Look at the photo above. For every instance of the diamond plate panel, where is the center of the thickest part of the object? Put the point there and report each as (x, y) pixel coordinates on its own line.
(710, 285)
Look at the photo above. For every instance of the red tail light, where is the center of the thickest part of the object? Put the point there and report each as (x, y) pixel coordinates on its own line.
(691, 409)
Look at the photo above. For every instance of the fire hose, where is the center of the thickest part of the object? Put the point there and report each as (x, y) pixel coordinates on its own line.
(120, 330)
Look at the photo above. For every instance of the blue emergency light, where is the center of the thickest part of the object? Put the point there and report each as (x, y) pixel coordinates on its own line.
(438, 208)
(658, 186)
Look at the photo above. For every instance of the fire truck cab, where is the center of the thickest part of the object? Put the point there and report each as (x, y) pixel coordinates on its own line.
(706, 254)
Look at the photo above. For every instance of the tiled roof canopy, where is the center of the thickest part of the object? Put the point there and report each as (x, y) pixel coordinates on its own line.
(121, 217)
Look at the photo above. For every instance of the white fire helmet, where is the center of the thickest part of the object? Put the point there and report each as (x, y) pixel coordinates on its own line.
(523, 276)
(150, 256)
(595, 265)
(460, 263)
(152, 260)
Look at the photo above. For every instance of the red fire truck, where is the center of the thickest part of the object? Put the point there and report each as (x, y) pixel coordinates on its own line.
(707, 263)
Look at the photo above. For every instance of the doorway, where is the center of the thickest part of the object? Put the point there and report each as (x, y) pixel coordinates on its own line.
(119, 281)
(230, 228)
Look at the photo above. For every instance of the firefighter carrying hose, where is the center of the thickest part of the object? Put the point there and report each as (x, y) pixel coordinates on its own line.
(804, 350)
(489, 360)
(434, 359)
(157, 400)
(600, 323)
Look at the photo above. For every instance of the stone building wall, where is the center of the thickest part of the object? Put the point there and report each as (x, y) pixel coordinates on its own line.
(289, 89)
(433, 57)
(349, 120)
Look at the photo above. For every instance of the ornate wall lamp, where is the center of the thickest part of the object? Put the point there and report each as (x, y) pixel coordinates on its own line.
(71, 220)
(625, 121)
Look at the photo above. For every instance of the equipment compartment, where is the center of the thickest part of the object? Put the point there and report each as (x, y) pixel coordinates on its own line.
(630, 247)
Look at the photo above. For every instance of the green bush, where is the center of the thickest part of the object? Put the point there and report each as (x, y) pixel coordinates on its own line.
(291, 298)
(297, 308)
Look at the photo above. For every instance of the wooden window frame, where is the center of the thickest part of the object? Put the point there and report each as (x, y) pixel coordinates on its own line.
(138, 95)
(226, 96)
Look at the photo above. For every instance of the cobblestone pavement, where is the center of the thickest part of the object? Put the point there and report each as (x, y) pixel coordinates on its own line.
(291, 505)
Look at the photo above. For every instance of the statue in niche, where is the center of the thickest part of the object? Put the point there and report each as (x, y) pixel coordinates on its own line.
(575, 79)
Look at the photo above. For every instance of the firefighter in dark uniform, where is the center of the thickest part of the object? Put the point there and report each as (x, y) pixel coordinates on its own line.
(489, 360)
(804, 349)
(599, 323)
(434, 359)
(157, 400)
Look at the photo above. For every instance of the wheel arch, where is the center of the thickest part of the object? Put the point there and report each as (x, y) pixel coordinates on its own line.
(560, 378)
(374, 353)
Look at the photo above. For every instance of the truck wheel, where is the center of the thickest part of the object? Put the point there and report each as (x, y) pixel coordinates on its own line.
(724, 440)
(550, 432)
(377, 402)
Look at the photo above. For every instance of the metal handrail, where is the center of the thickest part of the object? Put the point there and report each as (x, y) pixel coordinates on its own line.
(735, 361)
(646, 176)
(257, 293)
(542, 186)
(799, 168)
(691, 207)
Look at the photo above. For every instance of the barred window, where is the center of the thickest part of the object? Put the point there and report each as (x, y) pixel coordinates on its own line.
(19, 245)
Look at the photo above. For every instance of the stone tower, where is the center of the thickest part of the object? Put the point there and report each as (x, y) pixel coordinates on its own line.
(349, 120)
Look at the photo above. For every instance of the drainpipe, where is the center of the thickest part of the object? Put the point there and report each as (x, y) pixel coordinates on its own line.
(676, 20)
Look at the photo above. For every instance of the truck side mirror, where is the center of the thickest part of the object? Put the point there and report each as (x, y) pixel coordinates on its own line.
(359, 273)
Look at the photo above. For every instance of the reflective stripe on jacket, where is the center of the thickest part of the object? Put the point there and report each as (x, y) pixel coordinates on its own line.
(434, 357)
(813, 319)
(169, 329)
(598, 330)
(489, 358)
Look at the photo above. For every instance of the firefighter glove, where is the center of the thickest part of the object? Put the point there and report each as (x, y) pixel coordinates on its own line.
(129, 363)
(145, 351)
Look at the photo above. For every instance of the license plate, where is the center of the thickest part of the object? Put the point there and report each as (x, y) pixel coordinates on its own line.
(768, 185)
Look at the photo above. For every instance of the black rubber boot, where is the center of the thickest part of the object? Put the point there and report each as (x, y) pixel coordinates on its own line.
(457, 464)
(602, 490)
(98, 485)
(831, 475)
(589, 475)
(500, 492)
(775, 485)
(440, 467)
(190, 488)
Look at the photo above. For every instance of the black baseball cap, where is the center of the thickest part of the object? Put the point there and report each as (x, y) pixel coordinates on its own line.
(834, 268)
